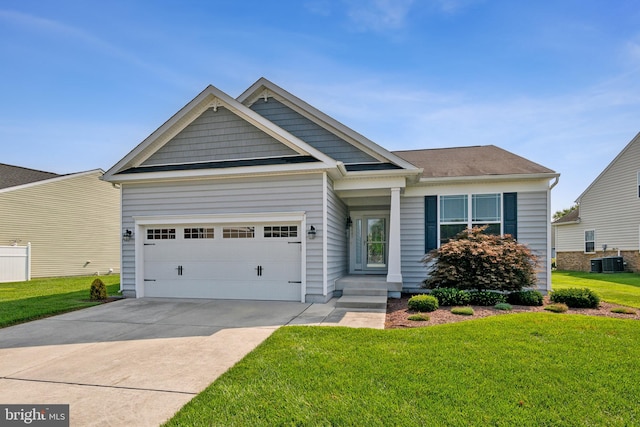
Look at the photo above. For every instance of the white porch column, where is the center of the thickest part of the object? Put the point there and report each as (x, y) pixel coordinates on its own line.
(394, 274)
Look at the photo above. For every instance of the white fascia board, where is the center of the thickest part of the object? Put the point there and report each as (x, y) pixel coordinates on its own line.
(488, 178)
(211, 97)
(243, 171)
(370, 183)
(455, 186)
(235, 218)
(254, 92)
(53, 180)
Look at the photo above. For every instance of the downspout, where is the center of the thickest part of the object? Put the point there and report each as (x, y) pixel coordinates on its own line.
(553, 184)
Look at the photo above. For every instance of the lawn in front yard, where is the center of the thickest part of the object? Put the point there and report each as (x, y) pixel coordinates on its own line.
(533, 369)
(24, 301)
(616, 288)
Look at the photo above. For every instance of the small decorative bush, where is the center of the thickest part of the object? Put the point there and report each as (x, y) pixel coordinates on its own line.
(463, 311)
(503, 306)
(557, 308)
(423, 303)
(474, 259)
(451, 296)
(576, 297)
(487, 298)
(98, 290)
(623, 310)
(420, 317)
(529, 297)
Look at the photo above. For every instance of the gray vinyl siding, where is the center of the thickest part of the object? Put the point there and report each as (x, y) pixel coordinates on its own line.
(337, 249)
(218, 135)
(412, 242)
(72, 222)
(532, 231)
(610, 206)
(311, 133)
(243, 195)
(533, 222)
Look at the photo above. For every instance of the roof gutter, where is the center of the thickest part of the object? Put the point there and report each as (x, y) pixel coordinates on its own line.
(477, 178)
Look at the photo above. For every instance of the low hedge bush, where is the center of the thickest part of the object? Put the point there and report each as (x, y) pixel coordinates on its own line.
(576, 297)
(98, 291)
(451, 296)
(423, 303)
(503, 306)
(463, 311)
(487, 298)
(420, 317)
(529, 297)
(557, 308)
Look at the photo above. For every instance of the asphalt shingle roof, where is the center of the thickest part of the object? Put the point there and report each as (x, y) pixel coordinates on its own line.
(478, 160)
(12, 176)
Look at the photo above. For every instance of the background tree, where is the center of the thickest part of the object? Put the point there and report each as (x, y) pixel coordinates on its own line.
(563, 212)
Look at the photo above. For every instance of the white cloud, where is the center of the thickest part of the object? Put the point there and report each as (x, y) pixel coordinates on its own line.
(378, 15)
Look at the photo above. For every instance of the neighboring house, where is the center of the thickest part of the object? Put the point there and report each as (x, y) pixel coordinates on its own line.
(266, 197)
(607, 221)
(72, 221)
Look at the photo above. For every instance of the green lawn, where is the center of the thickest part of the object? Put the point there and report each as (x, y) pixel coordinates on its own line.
(616, 288)
(533, 369)
(24, 301)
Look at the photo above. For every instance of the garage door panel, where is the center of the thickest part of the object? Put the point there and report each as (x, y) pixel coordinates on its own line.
(228, 268)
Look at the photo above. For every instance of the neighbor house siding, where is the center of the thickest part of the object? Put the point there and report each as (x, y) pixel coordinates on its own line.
(265, 194)
(337, 258)
(412, 242)
(72, 222)
(310, 132)
(218, 135)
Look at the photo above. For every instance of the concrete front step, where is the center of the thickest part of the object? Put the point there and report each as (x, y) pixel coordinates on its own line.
(377, 291)
(362, 301)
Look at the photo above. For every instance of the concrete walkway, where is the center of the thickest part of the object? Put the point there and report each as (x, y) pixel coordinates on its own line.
(135, 362)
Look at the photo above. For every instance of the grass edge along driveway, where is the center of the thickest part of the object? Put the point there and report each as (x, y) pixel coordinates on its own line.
(533, 369)
(25, 301)
(616, 288)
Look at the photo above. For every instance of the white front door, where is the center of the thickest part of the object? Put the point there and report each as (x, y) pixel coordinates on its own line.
(369, 243)
(245, 261)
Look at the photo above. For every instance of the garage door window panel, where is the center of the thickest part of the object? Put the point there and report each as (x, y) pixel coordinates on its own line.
(238, 232)
(283, 231)
(161, 234)
(199, 233)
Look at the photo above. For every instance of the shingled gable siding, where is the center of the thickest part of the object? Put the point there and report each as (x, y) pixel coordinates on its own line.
(309, 132)
(218, 135)
(531, 230)
(293, 193)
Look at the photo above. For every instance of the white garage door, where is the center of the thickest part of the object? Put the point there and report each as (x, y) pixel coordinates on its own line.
(247, 261)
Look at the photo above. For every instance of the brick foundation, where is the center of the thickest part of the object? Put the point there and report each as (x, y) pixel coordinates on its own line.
(579, 261)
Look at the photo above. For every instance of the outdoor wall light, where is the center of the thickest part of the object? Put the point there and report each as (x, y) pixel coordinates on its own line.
(312, 232)
(127, 235)
(349, 222)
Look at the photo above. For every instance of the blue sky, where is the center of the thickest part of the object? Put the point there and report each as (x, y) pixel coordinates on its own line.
(558, 82)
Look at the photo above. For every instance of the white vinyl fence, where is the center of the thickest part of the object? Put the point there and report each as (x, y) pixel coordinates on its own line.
(15, 263)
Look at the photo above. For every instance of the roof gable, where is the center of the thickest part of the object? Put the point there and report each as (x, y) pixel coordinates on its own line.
(634, 143)
(263, 89)
(151, 151)
(476, 161)
(12, 176)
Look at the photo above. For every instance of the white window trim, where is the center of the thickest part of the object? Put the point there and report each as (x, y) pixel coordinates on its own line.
(470, 221)
(585, 241)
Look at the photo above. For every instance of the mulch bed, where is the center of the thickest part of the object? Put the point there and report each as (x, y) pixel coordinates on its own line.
(397, 313)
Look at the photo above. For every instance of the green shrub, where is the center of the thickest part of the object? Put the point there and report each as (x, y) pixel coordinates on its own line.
(420, 317)
(503, 306)
(557, 308)
(487, 298)
(623, 310)
(475, 260)
(576, 297)
(464, 311)
(451, 296)
(98, 291)
(423, 303)
(528, 297)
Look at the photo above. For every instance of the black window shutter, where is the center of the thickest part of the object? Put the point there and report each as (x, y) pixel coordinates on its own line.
(430, 223)
(510, 213)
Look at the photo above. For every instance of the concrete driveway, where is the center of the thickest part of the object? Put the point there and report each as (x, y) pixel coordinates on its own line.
(135, 362)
